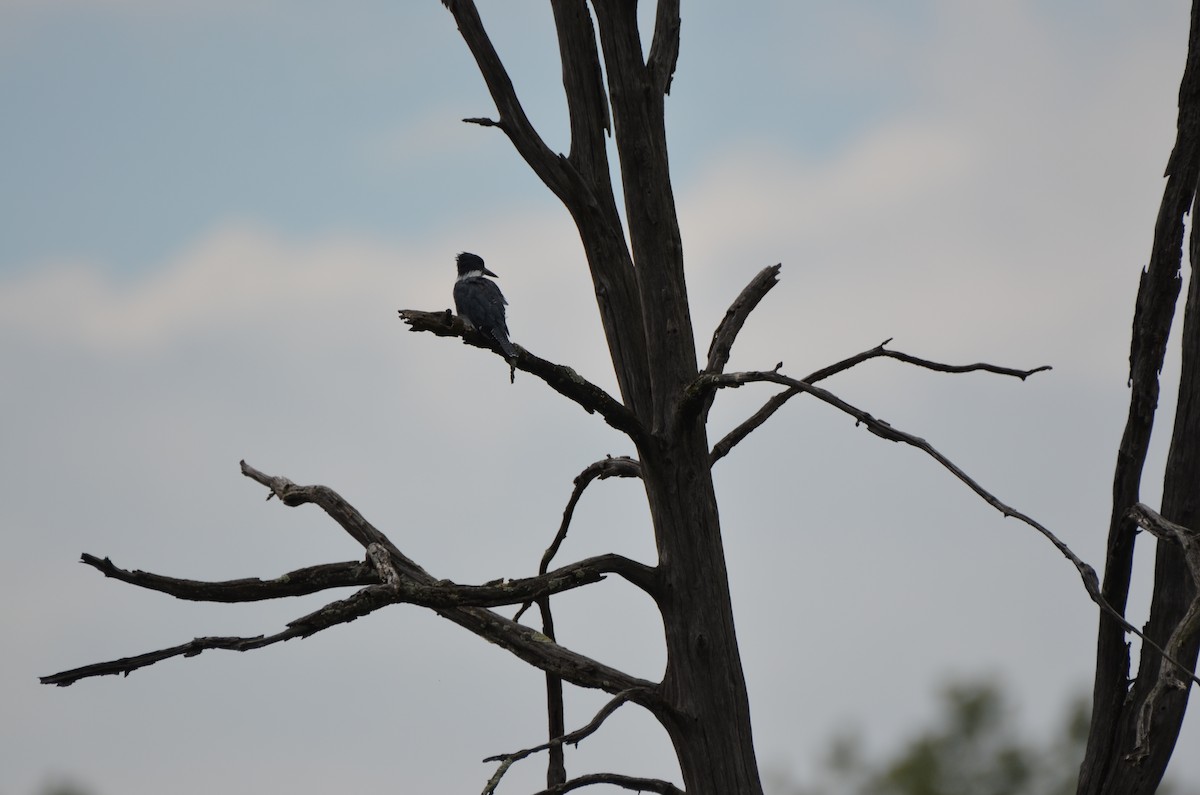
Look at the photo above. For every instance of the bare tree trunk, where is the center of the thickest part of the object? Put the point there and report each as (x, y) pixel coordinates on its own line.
(1134, 729)
(706, 710)
(708, 714)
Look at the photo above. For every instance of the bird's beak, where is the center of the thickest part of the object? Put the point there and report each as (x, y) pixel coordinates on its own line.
(487, 272)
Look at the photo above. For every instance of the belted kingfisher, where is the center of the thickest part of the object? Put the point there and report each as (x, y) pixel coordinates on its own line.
(480, 303)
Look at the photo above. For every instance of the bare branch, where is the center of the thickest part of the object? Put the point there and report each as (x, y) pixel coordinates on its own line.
(638, 574)
(731, 439)
(736, 314)
(587, 102)
(529, 645)
(513, 121)
(342, 611)
(620, 467)
(1150, 520)
(450, 601)
(961, 368)
(556, 721)
(560, 378)
(127, 665)
(884, 430)
(626, 782)
(310, 579)
(441, 594)
(573, 738)
(408, 582)
(338, 509)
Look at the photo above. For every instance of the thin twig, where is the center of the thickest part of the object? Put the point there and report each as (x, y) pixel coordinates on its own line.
(572, 738)
(620, 467)
(749, 425)
(556, 771)
(342, 611)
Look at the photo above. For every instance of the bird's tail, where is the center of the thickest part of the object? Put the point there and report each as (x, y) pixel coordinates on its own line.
(510, 352)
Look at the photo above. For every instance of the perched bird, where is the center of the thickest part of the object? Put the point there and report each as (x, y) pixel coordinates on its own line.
(479, 301)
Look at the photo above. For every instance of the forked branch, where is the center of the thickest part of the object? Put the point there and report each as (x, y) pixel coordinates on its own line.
(310, 579)
(527, 644)
(572, 738)
(400, 580)
(442, 594)
(750, 424)
(886, 431)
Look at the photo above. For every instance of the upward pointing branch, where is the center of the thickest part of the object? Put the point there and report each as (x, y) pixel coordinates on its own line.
(513, 121)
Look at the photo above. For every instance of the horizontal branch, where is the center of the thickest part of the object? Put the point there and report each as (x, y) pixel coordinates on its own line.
(625, 782)
(356, 574)
(560, 378)
(884, 430)
(311, 579)
(749, 425)
(127, 665)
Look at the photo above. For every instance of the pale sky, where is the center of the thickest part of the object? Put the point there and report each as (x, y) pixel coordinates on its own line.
(211, 211)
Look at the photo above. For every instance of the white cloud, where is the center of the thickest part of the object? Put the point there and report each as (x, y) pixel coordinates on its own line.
(232, 279)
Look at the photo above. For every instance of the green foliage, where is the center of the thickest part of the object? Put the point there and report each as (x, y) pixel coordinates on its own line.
(65, 788)
(973, 748)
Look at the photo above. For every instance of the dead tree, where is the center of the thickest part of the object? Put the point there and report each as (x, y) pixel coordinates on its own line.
(637, 269)
(1135, 723)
